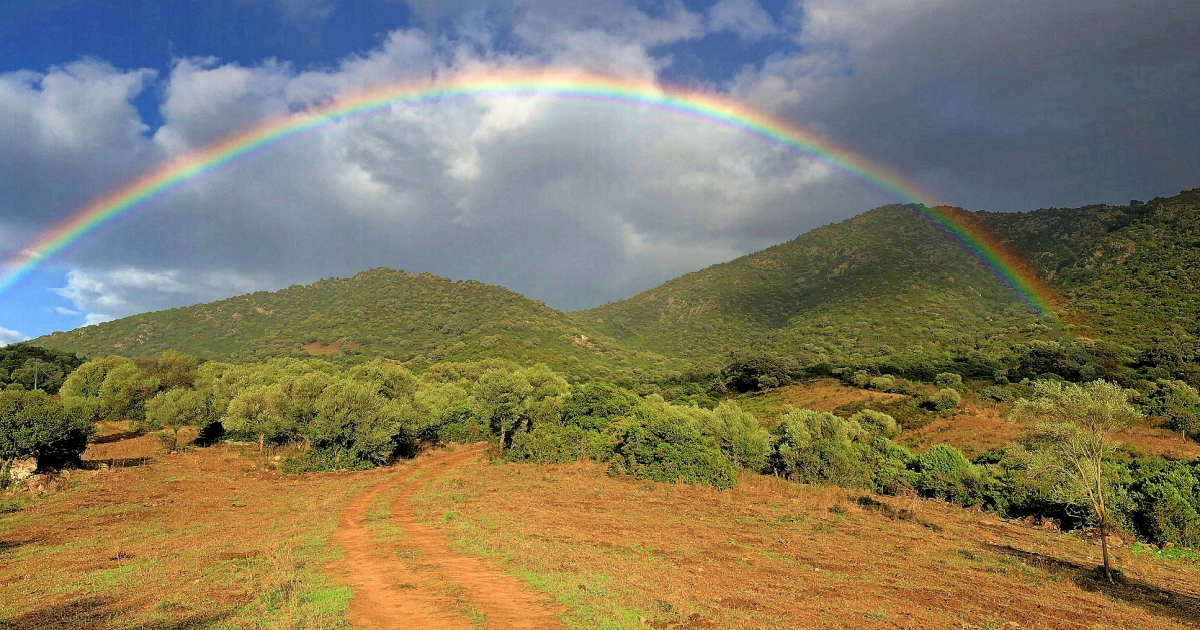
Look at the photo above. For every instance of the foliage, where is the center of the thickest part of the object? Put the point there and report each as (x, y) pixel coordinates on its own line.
(1075, 441)
(34, 424)
(660, 443)
(26, 364)
(737, 434)
(944, 473)
(178, 408)
(943, 400)
(756, 372)
(594, 406)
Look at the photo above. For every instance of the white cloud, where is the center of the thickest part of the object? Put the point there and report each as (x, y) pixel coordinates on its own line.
(10, 336)
(746, 18)
(62, 310)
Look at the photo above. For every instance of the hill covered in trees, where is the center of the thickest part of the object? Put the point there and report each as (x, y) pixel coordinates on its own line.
(890, 287)
(416, 318)
(887, 290)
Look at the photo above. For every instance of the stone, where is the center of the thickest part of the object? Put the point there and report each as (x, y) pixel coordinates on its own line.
(22, 468)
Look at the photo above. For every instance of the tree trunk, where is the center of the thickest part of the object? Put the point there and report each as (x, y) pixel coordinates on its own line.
(261, 437)
(1104, 548)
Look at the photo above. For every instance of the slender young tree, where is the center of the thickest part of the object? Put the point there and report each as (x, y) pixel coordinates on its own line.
(1074, 438)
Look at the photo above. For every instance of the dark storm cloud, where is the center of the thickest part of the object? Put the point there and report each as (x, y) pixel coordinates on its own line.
(1005, 105)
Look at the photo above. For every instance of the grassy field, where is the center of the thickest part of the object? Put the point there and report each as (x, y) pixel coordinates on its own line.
(204, 538)
(213, 538)
(621, 553)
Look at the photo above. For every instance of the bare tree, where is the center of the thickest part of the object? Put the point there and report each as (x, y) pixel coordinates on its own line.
(1075, 438)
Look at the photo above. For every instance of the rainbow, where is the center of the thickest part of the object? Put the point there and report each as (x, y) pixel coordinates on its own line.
(560, 84)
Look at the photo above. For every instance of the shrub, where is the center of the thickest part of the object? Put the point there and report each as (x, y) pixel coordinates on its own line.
(756, 372)
(877, 423)
(949, 380)
(819, 447)
(176, 409)
(885, 383)
(1185, 422)
(354, 423)
(653, 443)
(595, 405)
(943, 400)
(860, 378)
(557, 444)
(32, 424)
(738, 434)
(944, 473)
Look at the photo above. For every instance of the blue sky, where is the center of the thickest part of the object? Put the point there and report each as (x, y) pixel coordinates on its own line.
(1003, 106)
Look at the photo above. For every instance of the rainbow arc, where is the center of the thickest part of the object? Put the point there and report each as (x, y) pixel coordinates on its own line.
(703, 106)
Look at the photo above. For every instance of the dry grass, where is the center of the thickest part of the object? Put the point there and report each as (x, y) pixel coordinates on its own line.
(202, 538)
(621, 553)
(824, 394)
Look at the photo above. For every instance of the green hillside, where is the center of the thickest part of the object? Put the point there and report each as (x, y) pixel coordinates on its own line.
(415, 318)
(889, 285)
(886, 288)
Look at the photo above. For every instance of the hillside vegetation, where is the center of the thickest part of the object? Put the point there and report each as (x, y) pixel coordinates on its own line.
(889, 285)
(421, 319)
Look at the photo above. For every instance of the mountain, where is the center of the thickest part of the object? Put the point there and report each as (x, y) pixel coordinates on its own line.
(418, 318)
(891, 283)
(885, 286)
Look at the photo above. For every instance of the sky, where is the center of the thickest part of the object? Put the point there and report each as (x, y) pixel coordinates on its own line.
(990, 105)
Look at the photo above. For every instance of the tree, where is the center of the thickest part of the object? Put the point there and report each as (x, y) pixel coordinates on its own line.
(1075, 438)
(125, 390)
(737, 433)
(257, 411)
(178, 408)
(34, 424)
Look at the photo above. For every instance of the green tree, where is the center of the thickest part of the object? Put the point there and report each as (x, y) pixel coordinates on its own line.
(34, 424)
(1075, 436)
(498, 399)
(258, 411)
(355, 426)
(125, 390)
(178, 408)
(738, 434)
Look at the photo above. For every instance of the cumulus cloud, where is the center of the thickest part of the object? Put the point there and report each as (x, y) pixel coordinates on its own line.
(10, 336)
(578, 203)
(746, 18)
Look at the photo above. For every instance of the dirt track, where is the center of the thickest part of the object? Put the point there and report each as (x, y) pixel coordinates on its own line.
(436, 587)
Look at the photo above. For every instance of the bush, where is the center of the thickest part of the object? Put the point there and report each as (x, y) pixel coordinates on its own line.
(944, 473)
(738, 434)
(819, 447)
(1185, 422)
(877, 423)
(593, 406)
(653, 443)
(557, 444)
(176, 409)
(943, 400)
(885, 383)
(355, 424)
(948, 380)
(756, 372)
(32, 424)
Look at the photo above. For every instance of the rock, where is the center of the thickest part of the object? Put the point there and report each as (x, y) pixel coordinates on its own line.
(1115, 542)
(1167, 545)
(22, 468)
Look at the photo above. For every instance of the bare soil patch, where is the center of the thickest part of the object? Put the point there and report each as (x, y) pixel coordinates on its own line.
(404, 573)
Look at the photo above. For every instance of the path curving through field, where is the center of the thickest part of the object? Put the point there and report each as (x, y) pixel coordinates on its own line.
(412, 579)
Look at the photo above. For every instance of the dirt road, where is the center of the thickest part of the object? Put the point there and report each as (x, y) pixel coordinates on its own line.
(405, 575)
